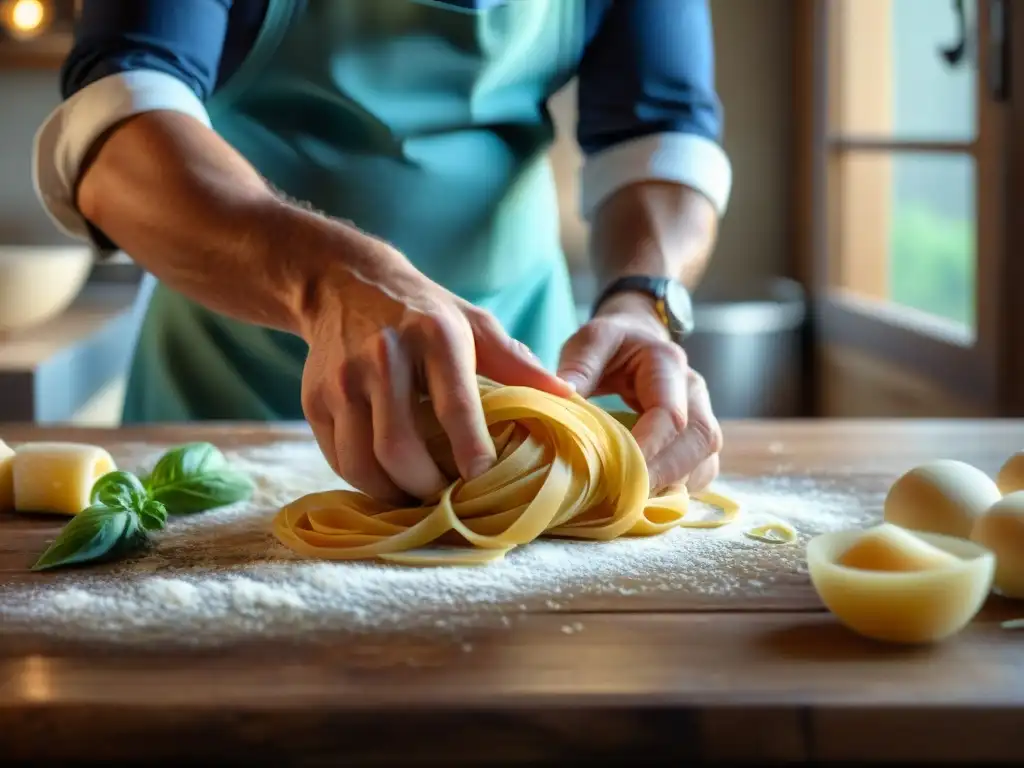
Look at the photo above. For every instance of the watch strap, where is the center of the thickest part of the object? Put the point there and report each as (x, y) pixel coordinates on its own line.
(655, 287)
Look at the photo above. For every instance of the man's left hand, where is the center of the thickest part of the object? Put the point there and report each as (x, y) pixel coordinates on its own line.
(625, 350)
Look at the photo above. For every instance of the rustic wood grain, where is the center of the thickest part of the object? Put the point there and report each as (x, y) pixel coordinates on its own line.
(776, 679)
(646, 684)
(610, 660)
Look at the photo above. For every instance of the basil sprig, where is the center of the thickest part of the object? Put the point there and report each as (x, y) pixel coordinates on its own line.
(116, 523)
(187, 479)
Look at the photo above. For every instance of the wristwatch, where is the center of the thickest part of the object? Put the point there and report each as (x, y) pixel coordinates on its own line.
(672, 301)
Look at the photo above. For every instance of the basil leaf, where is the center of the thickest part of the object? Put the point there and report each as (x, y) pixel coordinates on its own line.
(199, 493)
(119, 489)
(93, 534)
(153, 515)
(185, 461)
(196, 477)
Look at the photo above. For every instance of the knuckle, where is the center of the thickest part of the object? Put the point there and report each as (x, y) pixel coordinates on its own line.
(679, 419)
(433, 324)
(455, 405)
(710, 433)
(717, 439)
(592, 344)
(484, 321)
(581, 348)
(695, 381)
(677, 353)
(586, 334)
(667, 351)
(489, 334)
(440, 329)
(598, 327)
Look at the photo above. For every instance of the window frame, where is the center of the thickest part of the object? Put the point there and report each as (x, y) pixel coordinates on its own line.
(974, 372)
(1011, 302)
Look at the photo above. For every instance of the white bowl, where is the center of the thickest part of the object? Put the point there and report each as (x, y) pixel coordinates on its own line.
(37, 283)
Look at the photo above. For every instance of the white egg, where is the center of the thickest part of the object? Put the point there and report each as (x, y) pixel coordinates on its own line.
(1001, 529)
(943, 496)
(1011, 475)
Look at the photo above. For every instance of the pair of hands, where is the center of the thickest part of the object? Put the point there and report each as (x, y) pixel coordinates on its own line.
(396, 335)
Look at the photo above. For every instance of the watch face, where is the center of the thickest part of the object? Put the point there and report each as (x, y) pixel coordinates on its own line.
(679, 309)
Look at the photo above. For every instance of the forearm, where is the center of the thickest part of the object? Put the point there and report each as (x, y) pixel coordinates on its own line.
(653, 228)
(192, 211)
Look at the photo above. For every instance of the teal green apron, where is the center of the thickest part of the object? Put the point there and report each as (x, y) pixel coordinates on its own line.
(423, 124)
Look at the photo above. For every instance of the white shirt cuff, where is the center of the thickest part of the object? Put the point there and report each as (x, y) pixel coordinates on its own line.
(67, 135)
(683, 158)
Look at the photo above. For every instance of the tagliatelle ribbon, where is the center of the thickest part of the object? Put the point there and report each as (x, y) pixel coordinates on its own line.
(772, 533)
(566, 468)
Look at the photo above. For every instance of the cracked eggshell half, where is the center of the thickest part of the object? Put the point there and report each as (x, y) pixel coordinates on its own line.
(930, 589)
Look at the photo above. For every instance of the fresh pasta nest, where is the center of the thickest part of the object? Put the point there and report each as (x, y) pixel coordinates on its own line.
(565, 468)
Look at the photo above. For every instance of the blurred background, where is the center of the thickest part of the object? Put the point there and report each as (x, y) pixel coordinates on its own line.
(861, 264)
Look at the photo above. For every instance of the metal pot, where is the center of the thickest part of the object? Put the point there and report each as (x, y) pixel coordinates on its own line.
(748, 345)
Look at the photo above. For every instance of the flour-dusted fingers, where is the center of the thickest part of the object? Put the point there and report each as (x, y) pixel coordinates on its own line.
(338, 412)
(704, 474)
(446, 355)
(357, 462)
(701, 439)
(656, 430)
(390, 384)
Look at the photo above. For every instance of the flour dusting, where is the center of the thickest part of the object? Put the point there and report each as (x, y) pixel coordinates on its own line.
(221, 576)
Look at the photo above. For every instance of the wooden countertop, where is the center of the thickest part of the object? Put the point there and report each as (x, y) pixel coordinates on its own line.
(763, 675)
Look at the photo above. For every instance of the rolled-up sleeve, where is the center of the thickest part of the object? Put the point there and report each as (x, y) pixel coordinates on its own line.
(128, 57)
(648, 108)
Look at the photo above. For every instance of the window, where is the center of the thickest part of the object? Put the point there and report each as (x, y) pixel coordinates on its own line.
(902, 127)
(906, 188)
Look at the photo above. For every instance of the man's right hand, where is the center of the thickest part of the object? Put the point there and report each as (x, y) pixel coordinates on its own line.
(192, 211)
(378, 340)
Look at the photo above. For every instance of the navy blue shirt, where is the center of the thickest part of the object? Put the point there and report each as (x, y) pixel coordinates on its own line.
(647, 68)
(647, 105)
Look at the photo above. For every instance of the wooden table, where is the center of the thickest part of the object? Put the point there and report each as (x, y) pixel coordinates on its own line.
(766, 675)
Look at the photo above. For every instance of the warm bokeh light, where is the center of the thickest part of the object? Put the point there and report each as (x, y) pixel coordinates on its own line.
(27, 15)
(33, 681)
(25, 18)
